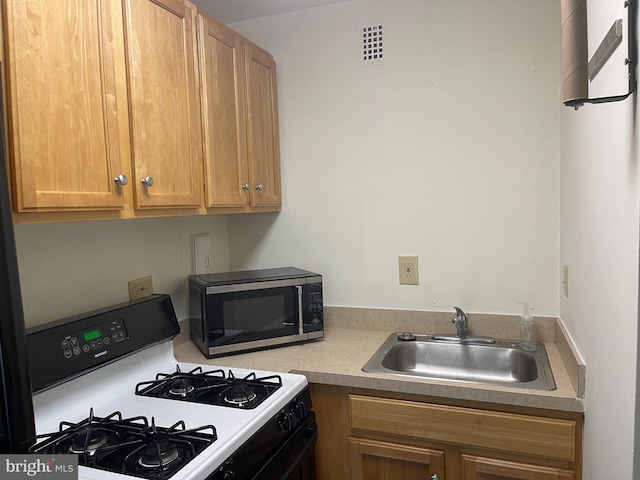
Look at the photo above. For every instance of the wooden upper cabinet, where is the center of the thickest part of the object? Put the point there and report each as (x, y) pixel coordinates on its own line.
(262, 128)
(223, 114)
(160, 40)
(240, 120)
(120, 109)
(67, 111)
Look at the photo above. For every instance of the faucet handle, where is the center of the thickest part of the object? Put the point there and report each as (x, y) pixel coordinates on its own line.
(460, 313)
(460, 322)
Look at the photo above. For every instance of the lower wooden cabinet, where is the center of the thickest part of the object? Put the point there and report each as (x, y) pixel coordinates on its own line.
(368, 434)
(371, 459)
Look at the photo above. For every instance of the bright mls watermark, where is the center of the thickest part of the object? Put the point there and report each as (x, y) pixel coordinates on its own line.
(38, 467)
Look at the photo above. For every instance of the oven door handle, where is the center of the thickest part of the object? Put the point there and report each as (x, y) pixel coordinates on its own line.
(291, 453)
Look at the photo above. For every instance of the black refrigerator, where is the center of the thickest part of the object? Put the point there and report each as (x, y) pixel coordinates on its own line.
(17, 426)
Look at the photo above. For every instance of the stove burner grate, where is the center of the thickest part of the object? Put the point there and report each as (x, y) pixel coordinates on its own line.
(128, 446)
(211, 387)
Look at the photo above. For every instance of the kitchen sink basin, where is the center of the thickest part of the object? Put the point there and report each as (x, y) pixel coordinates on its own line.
(502, 362)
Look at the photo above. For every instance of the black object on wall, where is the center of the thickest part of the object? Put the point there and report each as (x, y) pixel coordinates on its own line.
(17, 426)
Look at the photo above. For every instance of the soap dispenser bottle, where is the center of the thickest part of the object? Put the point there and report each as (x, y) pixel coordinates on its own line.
(526, 329)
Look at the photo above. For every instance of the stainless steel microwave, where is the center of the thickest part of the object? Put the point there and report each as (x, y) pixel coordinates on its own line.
(239, 311)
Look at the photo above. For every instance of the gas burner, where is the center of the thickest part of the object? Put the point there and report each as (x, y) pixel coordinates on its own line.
(239, 395)
(89, 440)
(181, 388)
(159, 455)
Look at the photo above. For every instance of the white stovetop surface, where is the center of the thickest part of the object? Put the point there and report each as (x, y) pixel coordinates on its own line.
(111, 388)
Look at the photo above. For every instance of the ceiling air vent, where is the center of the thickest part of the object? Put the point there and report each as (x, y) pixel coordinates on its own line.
(371, 44)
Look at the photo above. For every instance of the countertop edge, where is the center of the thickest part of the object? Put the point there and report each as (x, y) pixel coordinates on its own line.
(446, 390)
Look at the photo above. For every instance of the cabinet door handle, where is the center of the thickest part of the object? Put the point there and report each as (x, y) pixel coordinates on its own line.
(121, 180)
(147, 181)
(259, 187)
(434, 477)
(246, 186)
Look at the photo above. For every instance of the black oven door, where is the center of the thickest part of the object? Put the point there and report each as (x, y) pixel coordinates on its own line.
(295, 459)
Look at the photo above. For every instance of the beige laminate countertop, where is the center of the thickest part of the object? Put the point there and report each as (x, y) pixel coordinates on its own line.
(338, 359)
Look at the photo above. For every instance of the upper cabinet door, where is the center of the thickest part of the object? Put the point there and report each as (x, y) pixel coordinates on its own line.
(262, 128)
(223, 114)
(68, 141)
(160, 40)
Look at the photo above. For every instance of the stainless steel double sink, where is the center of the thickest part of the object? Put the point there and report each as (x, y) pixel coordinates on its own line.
(499, 362)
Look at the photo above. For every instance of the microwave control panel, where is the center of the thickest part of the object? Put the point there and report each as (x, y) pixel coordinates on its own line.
(94, 340)
(314, 302)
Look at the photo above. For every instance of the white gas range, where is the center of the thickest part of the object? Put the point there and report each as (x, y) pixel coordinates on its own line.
(111, 391)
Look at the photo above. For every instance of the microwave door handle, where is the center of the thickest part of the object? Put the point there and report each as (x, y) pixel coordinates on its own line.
(300, 327)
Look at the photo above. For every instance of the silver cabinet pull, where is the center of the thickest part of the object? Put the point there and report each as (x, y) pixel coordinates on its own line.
(147, 181)
(434, 477)
(246, 186)
(259, 187)
(121, 180)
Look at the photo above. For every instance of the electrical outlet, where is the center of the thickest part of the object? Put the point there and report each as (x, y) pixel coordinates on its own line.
(140, 288)
(408, 270)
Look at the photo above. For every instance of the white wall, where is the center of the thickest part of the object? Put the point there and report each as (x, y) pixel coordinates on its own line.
(452, 151)
(600, 192)
(70, 268)
(449, 151)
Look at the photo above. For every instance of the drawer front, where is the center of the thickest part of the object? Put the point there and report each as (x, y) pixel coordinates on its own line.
(532, 435)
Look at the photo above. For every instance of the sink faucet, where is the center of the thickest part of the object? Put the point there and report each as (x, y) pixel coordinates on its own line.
(461, 323)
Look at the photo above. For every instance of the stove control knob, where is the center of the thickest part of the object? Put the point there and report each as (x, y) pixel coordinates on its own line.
(300, 410)
(228, 475)
(285, 421)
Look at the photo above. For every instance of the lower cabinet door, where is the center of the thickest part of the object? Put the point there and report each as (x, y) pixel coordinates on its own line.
(481, 468)
(371, 459)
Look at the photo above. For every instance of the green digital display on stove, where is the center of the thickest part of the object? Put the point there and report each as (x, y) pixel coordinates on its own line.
(92, 335)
